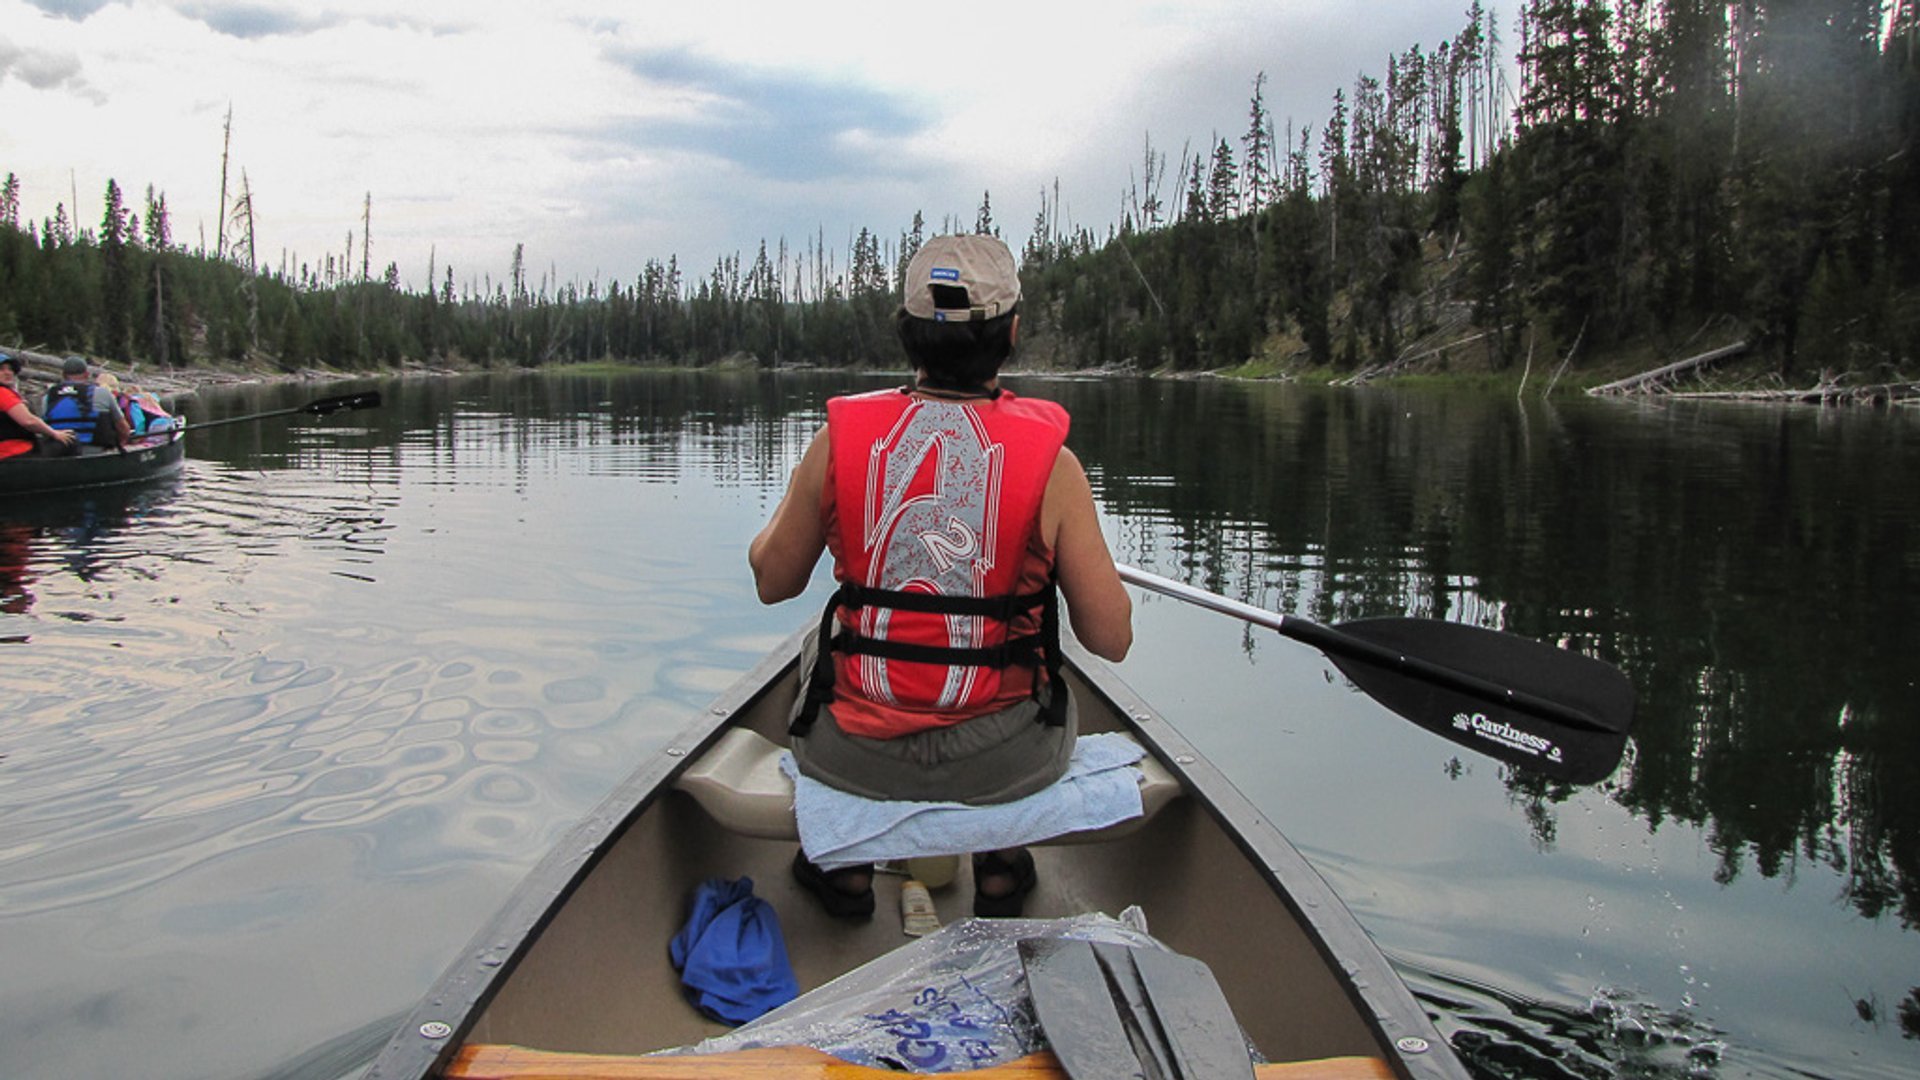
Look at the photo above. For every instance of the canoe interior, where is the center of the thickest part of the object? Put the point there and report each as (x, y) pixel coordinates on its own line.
(598, 978)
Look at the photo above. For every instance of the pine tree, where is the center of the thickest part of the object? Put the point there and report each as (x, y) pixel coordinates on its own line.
(1258, 146)
(162, 295)
(116, 280)
(910, 242)
(1336, 172)
(1223, 184)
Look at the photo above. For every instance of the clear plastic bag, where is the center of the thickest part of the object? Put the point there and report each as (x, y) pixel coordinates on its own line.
(951, 1001)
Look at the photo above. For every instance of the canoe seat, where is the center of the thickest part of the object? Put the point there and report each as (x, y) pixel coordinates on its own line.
(739, 783)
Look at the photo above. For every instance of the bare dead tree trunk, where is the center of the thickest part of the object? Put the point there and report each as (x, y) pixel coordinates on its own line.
(220, 230)
(243, 217)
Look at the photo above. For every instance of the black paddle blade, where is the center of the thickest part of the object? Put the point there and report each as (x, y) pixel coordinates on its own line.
(1113, 1011)
(328, 406)
(1581, 746)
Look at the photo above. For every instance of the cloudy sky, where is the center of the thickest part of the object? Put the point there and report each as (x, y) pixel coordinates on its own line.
(601, 135)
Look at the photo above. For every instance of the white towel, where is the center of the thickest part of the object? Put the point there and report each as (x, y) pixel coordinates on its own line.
(1101, 787)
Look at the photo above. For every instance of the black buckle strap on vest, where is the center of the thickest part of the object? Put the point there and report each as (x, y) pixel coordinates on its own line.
(1054, 709)
(1003, 608)
(1017, 650)
(1041, 650)
(819, 682)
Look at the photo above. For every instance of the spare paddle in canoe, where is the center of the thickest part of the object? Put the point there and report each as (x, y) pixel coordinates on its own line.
(1113, 1011)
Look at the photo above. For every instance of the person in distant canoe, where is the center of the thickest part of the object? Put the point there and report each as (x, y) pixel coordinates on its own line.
(88, 411)
(953, 510)
(143, 411)
(18, 425)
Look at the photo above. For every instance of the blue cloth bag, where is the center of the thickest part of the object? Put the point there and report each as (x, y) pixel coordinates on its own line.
(731, 956)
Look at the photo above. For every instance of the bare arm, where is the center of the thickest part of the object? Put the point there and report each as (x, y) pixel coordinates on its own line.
(1097, 603)
(24, 417)
(784, 553)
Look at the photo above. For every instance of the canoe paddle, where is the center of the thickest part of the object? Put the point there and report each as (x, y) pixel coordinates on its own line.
(1113, 1011)
(326, 406)
(1512, 698)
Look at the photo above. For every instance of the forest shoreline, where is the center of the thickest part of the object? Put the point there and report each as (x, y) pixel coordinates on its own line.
(1739, 381)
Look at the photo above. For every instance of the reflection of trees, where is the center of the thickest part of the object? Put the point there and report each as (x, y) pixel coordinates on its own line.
(650, 424)
(1752, 571)
(1723, 558)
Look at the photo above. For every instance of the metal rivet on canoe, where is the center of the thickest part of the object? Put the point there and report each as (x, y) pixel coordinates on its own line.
(1412, 1044)
(434, 1029)
(674, 751)
(1184, 759)
(1141, 718)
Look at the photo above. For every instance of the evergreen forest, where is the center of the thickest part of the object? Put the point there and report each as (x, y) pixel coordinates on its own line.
(1601, 184)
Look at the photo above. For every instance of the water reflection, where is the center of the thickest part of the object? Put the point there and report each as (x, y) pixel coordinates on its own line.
(1754, 571)
(375, 663)
(16, 570)
(86, 534)
(328, 696)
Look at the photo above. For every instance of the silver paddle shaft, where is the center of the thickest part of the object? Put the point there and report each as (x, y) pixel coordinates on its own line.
(1180, 590)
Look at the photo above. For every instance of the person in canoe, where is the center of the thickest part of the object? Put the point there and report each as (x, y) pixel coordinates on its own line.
(18, 425)
(75, 404)
(143, 411)
(956, 517)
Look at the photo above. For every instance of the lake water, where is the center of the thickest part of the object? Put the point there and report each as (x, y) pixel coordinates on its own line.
(278, 735)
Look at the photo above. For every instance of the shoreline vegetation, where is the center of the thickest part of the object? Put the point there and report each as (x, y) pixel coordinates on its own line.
(1671, 200)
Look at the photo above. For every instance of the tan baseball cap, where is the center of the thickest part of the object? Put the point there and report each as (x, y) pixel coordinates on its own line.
(961, 278)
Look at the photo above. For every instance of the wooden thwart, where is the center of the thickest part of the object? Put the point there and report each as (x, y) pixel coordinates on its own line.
(485, 1061)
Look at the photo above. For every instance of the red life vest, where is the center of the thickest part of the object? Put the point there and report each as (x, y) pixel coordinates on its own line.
(14, 438)
(946, 609)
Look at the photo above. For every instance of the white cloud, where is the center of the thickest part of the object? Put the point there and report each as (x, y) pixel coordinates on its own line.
(601, 138)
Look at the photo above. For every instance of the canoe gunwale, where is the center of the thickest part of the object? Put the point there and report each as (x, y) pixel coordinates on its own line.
(1378, 993)
(1378, 996)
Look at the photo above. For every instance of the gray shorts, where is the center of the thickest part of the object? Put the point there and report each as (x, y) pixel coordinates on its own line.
(995, 758)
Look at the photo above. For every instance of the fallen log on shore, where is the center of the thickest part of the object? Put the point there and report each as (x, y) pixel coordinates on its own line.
(1826, 393)
(1646, 381)
(170, 384)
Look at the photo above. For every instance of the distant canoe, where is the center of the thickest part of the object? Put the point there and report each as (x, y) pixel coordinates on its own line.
(143, 459)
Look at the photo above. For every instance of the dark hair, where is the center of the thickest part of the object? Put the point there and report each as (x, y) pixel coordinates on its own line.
(956, 355)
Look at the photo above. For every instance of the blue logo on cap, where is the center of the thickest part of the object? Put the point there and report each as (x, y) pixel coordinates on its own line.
(945, 273)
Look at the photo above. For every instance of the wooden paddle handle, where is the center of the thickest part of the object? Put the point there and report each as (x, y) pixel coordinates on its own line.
(485, 1061)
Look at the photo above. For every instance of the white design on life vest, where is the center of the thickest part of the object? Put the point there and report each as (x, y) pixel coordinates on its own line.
(938, 540)
(957, 543)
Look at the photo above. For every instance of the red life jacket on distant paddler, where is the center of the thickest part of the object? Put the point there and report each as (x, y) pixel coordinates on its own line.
(946, 608)
(14, 439)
